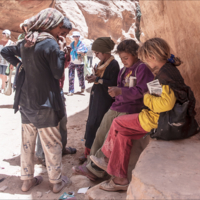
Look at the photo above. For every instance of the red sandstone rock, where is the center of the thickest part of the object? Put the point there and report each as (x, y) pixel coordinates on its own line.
(178, 23)
(14, 12)
(92, 18)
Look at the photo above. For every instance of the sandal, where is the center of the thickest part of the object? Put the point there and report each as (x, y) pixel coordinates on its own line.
(67, 182)
(82, 159)
(69, 150)
(79, 170)
(100, 162)
(112, 187)
(38, 180)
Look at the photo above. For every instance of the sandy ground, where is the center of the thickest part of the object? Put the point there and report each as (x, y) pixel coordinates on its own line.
(10, 142)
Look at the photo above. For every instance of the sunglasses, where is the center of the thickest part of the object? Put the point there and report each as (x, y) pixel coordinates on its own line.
(3, 33)
(76, 36)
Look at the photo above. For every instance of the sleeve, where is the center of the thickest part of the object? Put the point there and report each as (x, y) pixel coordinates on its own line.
(10, 53)
(113, 76)
(144, 76)
(163, 103)
(67, 61)
(56, 59)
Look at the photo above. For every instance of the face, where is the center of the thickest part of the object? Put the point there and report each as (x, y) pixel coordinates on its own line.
(76, 38)
(128, 59)
(65, 32)
(59, 31)
(99, 55)
(4, 36)
(151, 61)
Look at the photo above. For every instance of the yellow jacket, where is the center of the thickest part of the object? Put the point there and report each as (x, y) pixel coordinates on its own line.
(149, 118)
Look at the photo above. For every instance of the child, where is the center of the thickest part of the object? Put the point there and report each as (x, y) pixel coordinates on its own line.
(116, 148)
(128, 99)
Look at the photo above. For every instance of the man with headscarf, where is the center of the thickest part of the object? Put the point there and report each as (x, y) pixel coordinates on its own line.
(100, 101)
(38, 94)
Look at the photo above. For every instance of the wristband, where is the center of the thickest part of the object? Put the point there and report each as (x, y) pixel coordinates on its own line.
(97, 79)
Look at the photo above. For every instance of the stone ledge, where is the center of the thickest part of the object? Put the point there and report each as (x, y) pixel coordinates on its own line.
(97, 194)
(167, 170)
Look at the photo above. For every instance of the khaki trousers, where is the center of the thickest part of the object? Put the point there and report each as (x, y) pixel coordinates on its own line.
(101, 136)
(52, 146)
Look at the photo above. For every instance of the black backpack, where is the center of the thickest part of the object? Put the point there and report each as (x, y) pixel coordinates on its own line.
(175, 124)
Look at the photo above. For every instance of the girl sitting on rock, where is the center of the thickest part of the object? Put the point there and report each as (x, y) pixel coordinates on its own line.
(156, 53)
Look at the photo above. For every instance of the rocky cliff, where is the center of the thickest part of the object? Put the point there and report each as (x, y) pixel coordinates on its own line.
(14, 12)
(101, 18)
(92, 18)
(178, 23)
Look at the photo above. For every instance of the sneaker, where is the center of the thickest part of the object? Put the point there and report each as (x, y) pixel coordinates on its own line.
(82, 90)
(70, 94)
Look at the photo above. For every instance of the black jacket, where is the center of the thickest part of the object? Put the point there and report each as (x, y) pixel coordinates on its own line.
(43, 65)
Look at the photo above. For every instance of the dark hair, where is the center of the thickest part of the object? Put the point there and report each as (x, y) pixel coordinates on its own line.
(128, 46)
(67, 24)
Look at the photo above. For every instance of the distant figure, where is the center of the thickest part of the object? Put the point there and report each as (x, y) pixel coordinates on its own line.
(90, 55)
(77, 61)
(5, 41)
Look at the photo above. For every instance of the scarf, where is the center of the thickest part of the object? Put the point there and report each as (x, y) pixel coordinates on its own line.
(170, 75)
(38, 25)
(102, 67)
(79, 47)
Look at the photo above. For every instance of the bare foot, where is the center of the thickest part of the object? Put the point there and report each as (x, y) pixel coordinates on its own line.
(82, 170)
(120, 181)
(26, 186)
(66, 182)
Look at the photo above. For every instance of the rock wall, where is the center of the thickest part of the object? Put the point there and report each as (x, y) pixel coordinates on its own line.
(167, 170)
(101, 18)
(92, 18)
(14, 12)
(178, 23)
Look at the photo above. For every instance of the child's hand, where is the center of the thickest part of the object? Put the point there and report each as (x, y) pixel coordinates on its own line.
(114, 91)
(91, 79)
(62, 43)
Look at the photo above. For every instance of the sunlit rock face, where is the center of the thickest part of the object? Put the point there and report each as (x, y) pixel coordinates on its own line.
(178, 23)
(14, 12)
(92, 18)
(101, 18)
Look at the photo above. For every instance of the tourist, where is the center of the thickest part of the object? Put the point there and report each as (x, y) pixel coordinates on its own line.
(38, 93)
(128, 100)
(90, 55)
(156, 53)
(100, 101)
(77, 62)
(5, 41)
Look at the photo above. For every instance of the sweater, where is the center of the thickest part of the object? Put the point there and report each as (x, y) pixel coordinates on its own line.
(131, 99)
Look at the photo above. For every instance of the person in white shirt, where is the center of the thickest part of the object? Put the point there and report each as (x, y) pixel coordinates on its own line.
(90, 56)
(5, 41)
(77, 61)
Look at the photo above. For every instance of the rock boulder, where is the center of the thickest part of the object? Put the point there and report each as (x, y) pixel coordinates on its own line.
(178, 23)
(167, 170)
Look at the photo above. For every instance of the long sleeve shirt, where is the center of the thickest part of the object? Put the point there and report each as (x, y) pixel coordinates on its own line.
(149, 118)
(44, 66)
(131, 99)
